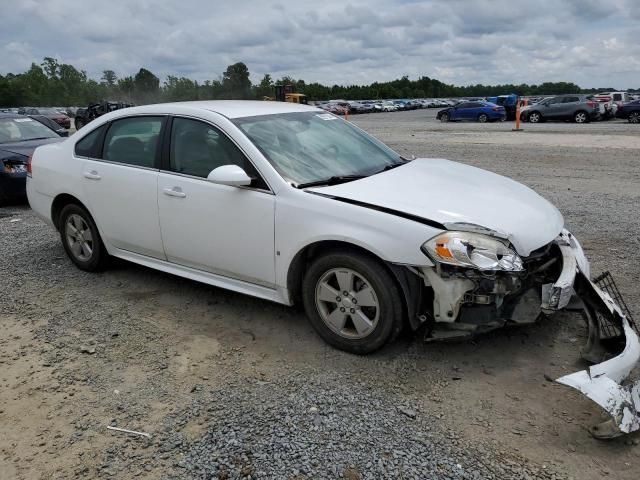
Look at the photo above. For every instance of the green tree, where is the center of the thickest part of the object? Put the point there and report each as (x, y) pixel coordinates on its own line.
(109, 78)
(236, 82)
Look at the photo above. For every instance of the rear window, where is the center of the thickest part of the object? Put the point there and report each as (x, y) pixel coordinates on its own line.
(133, 141)
(90, 144)
(617, 97)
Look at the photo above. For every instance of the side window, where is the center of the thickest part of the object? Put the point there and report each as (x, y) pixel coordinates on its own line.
(571, 99)
(463, 105)
(617, 97)
(89, 145)
(133, 141)
(197, 148)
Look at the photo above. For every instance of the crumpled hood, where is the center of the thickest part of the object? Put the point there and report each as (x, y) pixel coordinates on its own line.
(460, 197)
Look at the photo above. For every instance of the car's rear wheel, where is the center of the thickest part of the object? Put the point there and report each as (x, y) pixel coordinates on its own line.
(352, 301)
(482, 118)
(79, 123)
(634, 117)
(81, 239)
(535, 117)
(444, 118)
(581, 117)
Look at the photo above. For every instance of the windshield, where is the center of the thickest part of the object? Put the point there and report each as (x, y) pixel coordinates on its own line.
(23, 129)
(314, 146)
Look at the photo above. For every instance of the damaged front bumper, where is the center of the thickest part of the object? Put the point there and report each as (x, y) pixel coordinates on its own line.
(610, 327)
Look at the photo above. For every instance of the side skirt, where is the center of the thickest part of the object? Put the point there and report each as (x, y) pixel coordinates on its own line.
(274, 295)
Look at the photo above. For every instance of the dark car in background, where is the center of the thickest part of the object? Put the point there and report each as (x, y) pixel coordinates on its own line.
(60, 118)
(19, 137)
(573, 107)
(47, 122)
(473, 111)
(629, 111)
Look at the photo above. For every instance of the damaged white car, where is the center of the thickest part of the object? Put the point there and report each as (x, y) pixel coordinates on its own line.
(292, 204)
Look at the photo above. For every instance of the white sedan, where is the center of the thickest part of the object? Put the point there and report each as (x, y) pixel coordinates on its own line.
(294, 205)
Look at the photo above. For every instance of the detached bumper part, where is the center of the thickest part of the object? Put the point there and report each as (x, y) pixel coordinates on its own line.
(603, 382)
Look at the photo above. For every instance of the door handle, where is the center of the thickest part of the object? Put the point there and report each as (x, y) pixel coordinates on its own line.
(174, 192)
(92, 175)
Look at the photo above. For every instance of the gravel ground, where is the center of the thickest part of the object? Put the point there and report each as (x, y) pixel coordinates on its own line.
(234, 387)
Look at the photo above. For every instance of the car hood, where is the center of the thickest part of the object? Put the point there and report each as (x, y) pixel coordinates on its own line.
(459, 197)
(27, 148)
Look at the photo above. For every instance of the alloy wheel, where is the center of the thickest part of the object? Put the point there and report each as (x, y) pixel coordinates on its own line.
(634, 117)
(347, 303)
(79, 237)
(581, 117)
(482, 118)
(534, 117)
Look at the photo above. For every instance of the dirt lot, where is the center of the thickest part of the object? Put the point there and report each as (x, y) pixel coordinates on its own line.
(230, 386)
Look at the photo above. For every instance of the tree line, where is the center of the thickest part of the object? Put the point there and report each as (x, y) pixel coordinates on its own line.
(58, 84)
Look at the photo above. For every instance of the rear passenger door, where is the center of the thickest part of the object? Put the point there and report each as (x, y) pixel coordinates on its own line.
(569, 106)
(121, 184)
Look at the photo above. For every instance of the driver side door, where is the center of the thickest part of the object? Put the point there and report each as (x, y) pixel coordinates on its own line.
(221, 229)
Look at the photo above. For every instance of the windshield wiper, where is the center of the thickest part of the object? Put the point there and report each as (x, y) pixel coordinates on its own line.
(335, 180)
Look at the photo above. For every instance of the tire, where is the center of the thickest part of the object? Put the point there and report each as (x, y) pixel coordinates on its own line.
(444, 118)
(81, 239)
(79, 123)
(581, 117)
(358, 327)
(634, 117)
(482, 118)
(535, 117)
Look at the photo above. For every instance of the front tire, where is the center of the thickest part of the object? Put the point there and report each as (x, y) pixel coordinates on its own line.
(352, 301)
(81, 239)
(535, 117)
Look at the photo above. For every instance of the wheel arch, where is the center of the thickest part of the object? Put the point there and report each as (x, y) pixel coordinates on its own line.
(61, 201)
(408, 283)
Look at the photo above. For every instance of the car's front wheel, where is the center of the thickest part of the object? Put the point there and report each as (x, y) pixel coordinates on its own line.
(81, 239)
(444, 118)
(535, 117)
(352, 301)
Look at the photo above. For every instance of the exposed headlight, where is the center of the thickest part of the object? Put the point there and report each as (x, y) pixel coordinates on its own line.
(465, 249)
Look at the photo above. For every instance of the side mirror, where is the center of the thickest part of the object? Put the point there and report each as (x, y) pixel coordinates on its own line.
(231, 175)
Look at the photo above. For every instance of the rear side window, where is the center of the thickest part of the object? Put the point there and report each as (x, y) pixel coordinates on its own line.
(571, 99)
(90, 144)
(133, 141)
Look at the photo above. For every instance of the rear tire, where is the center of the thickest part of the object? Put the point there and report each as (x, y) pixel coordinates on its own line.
(581, 117)
(482, 118)
(81, 239)
(634, 117)
(352, 301)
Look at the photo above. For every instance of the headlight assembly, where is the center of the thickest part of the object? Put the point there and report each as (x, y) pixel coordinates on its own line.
(465, 249)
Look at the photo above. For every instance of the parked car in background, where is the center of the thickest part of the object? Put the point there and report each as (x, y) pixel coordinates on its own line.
(389, 107)
(19, 136)
(629, 111)
(573, 107)
(47, 122)
(60, 118)
(473, 111)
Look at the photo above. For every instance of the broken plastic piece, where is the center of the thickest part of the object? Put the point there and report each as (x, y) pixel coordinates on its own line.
(132, 432)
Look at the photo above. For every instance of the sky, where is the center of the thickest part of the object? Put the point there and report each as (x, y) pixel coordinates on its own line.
(594, 43)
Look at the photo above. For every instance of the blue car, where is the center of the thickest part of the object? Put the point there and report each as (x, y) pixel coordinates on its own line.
(477, 111)
(19, 137)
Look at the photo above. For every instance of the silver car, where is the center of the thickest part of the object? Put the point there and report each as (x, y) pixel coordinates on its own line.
(574, 107)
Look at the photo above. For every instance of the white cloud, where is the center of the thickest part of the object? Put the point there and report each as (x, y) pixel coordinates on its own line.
(590, 42)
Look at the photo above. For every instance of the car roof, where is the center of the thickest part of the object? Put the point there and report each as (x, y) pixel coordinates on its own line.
(228, 108)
